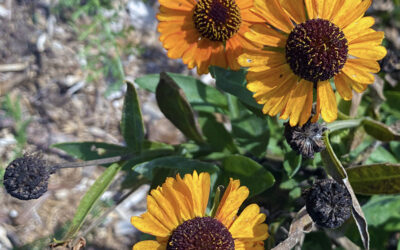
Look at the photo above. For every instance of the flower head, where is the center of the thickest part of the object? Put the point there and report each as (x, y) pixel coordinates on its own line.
(206, 32)
(309, 44)
(176, 215)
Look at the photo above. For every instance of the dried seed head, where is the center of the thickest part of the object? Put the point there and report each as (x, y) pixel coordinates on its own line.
(328, 203)
(307, 139)
(27, 177)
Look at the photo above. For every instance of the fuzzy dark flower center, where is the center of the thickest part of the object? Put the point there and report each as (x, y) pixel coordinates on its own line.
(316, 50)
(204, 233)
(217, 20)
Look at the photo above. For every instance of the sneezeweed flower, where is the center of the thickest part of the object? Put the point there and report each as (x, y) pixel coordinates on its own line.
(328, 203)
(206, 32)
(176, 215)
(311, 43)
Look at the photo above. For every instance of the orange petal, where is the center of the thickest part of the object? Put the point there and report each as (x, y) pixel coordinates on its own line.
(367, 52)
(306, 113)
(247, 224)
(354, 30)
(311, 9)
(148, 245)
(262, 34)
(261, 60)
(357, 73)
(343, 86)
(297, 101)
(274, 14)
(347, 16)
(147, 223)
(187, 5)
(231, 201)
(328, 101)
(249, 16)
(295, 9)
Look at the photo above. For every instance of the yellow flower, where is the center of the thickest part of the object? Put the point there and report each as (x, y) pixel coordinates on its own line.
(176, 215)
(310, 43)
(197, 31)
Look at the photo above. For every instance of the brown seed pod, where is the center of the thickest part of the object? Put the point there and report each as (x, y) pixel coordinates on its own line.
(27, 177)
(307, 139)
(328, 203)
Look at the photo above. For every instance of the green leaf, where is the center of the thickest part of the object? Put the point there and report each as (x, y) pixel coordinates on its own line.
(216, 134)
(316, 241)
(202, 97)
(380, 131)
(380, 209)
(234, 82)
(173, 165)
(375, 179)
(380, 155)
(172, 102)
(251, 132)
(292, 163)
(91, 150)
(89, 199)
(131, 122)
(250, 173)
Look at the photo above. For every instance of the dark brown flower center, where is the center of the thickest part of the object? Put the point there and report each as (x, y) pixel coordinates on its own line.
(217, 20)
(201, 233)
(316, 50)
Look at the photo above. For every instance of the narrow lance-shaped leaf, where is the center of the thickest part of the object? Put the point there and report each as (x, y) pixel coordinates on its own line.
(92, 195)
(380, 131)
(131, 122)
(172, 102)
(202, 97)
(92, 150)
(375, 179)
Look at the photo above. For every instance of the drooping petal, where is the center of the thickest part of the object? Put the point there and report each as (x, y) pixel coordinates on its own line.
(343, 86)
(328, 101)
(297, 102)
(247, 224)
(357, 73)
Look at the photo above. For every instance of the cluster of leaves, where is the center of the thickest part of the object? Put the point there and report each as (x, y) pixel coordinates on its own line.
(254, 151)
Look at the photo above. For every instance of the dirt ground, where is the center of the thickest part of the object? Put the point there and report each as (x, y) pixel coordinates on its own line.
(40, 64)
